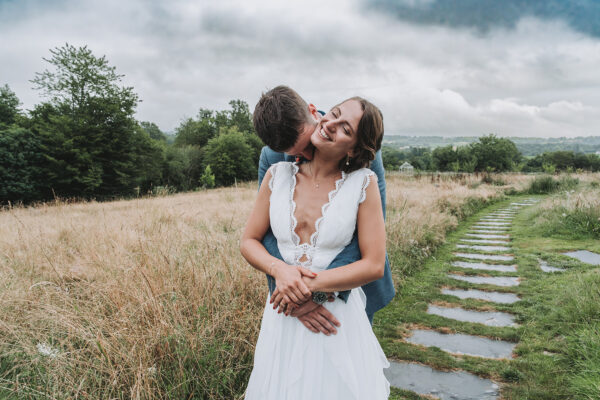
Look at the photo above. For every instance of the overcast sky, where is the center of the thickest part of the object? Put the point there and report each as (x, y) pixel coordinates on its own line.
(434, 67)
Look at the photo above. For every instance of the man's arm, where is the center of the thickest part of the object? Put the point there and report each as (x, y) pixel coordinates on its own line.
(269, 157)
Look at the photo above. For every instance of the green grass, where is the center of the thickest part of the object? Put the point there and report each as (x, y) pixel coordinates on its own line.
(558, 351)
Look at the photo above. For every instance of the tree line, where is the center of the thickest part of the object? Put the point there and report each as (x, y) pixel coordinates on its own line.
(488, 154)
(83, 140)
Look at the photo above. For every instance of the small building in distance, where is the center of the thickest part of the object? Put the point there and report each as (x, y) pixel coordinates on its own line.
(406, 168)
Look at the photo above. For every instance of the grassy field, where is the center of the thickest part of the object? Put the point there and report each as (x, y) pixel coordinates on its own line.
(150, 298)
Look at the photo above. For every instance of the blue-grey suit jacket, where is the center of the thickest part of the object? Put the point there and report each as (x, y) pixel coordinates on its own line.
(380, 292)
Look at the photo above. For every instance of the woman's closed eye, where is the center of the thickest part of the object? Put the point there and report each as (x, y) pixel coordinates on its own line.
(336, 116)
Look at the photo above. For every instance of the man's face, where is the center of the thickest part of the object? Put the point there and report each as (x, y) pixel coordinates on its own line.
(303, 147)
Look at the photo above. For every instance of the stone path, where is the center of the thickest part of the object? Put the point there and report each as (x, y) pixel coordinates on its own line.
(487, 249)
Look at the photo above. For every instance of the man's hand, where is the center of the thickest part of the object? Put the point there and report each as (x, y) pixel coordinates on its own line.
(319, 319)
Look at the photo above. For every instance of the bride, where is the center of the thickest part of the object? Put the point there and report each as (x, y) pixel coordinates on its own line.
(313, 209)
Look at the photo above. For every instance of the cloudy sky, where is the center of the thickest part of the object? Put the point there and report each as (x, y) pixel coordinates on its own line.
(434, 67)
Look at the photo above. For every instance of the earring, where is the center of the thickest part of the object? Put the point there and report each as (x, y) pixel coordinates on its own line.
(348, 159)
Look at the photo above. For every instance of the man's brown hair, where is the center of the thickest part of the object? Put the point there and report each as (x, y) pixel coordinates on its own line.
(279, 117)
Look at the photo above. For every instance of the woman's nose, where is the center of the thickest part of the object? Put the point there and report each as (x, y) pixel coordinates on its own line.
(329, 125)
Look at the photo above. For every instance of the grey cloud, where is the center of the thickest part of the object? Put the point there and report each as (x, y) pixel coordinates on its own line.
(537, 78)
(484, 15)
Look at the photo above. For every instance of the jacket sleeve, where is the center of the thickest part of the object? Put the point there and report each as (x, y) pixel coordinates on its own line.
(263, 164)
(267, 158)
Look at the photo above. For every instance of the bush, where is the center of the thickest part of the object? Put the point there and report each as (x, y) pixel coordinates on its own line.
(547, 184)
(207, 180)
(543, 185)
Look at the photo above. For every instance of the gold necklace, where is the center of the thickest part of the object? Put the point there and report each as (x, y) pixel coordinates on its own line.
(312, 176)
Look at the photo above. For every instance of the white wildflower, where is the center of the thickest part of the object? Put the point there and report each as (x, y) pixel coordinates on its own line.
(47, 350)
(564, 214)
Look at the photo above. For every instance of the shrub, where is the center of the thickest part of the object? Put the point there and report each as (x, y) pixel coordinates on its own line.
(547, 184)
(543, 185)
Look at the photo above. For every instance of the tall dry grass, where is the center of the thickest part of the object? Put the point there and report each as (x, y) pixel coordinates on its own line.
(150, 298)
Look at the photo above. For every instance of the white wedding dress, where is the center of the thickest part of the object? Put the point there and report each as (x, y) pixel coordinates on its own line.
(291, 362)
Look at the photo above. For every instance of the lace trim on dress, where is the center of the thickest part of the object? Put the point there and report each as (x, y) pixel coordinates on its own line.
(307, 248)
(366, 181)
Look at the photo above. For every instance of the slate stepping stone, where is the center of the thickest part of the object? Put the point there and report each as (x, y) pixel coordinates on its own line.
(490, 228)
(488, 318)
(547, 268)
(491, 223)
(585, 256)
(482, 248)
(455, 385)
(463, 344)
(495, 219)
(485, 267)
(490, 257)
(504, 281)
(494, 297)
(487, 236)
(485, 241)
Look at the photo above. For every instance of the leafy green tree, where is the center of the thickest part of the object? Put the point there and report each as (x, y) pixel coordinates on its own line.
(466, 159)
(149, 158)
(153, 131)
(88, 125)
(495, 154)
(420, 158)
(240, 116)
(196, 132)
(392, 158)
(444, 158)
(231, 157)
(9, 106)
(255, 144)
(182, 167)
(20, 165)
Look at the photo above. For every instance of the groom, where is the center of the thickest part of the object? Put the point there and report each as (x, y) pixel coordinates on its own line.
(285, 122)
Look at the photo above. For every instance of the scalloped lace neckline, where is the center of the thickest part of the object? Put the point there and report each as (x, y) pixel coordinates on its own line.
(313, 237)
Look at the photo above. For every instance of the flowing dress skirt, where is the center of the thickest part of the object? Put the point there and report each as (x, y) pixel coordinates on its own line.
(291, 362)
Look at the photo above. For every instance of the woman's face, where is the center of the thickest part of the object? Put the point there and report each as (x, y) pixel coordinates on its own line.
(336, 133)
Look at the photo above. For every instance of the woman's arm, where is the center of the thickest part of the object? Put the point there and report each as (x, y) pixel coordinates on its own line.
(288, 278)
(371, 240)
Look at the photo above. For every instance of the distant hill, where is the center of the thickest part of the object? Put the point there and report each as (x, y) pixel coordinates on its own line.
(527, 146)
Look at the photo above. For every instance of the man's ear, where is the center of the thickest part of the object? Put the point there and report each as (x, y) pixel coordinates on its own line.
(312, 109)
